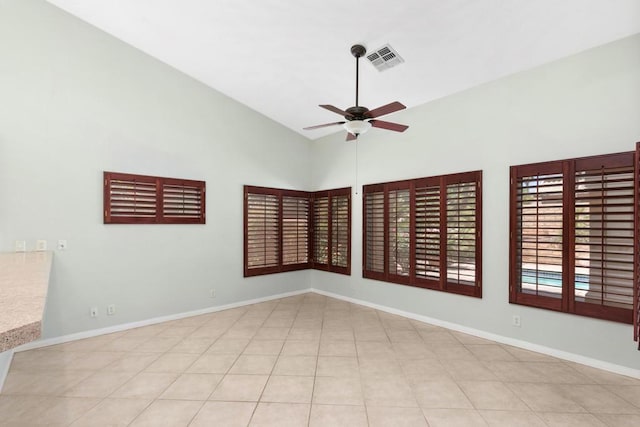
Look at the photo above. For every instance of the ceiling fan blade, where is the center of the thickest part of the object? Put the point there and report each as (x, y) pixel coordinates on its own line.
(335, 110)
(351, 137)
(397, 127)
(323, 126)
(385, 109)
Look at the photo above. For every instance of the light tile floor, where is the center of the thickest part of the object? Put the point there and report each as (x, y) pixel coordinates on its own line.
(307, 360)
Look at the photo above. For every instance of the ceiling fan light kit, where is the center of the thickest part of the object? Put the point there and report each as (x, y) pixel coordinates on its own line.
(358, 119)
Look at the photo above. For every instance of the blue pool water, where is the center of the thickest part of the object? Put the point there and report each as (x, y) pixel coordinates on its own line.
(553, 278)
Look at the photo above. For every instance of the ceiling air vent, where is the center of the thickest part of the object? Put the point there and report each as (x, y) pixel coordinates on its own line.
(384, 58)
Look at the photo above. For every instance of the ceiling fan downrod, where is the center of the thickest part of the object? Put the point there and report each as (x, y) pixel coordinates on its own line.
(358, 50)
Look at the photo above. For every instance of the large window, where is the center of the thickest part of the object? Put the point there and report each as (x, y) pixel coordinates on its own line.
(143, 199)
(572, 236)
(425, 232)
(289, 230)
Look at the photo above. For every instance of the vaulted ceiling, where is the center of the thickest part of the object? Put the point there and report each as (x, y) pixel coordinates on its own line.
(284, 57)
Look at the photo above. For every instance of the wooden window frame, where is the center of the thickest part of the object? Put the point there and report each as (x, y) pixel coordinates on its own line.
(310, 238)
(566, 301)
(155, 188)
(442, 283)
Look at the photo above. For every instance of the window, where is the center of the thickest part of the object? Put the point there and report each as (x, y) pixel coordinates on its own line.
(332, 230)
(425, 232)
(289, 230)
(141, 199)
(572, 236)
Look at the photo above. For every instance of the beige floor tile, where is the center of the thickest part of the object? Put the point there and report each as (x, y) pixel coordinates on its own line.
(228, 346)
(441, 336)
(304, 334)
(147, 385)
(169, 413)
(490, 352)
(603, 377)
(210, 332)
(571, 420)
(630, 393)
(14, 408)
(144, 331)
(265, 333)
(300, 348)
(241, 388)
(337, 348)
(264, 347)
(331, 366)
(545, 397)
(412, 350)
(158, 344)
(192, 387)
(210, 363)
(491, 395)
(375, 334)
(388, 391)
(295, 365)
(227, 414)
(441, 394)
(96, 361)
(377, 349)
(177, 331)
(395, 417)
(598, 400)
(337, 416)
(288, 389)
(512, 418)
(467, 339)
(280, 415)
(370, 366)
(558, 373)
(454, 418)
(100, 384)
(515, 372)
(338, 391)
(253, 364)
(240, 333)
(112, 412)
(47, 384)
(528, 356)
(124, 344)
(192, 345)
(468, 370)
(418, 369)
(618, 420)
(337, 334)
(453, 352)
(61, 410)
(132, 362)
(172, 362)
(403, 335)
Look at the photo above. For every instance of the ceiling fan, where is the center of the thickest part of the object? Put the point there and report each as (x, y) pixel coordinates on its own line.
(358, 119)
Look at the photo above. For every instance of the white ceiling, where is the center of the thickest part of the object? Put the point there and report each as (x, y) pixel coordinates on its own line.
(284, 57)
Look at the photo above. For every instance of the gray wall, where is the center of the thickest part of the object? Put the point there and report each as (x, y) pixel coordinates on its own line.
(583, 105)
(76, 102)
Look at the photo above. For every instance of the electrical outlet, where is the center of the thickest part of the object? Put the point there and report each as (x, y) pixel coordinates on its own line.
(41, 245)
(62, 245)
(516, 321)
(111, 309)
(212, 293)
(94, 311)
(20, 246)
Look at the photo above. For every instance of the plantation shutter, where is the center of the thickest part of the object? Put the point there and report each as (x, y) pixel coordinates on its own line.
(428, 260)
(295, 230)
(340, 229)
(463, 213)
(374, 226)
(321, 230)
(398, 229)
(604, 236)
(262, 234)
(636, 287)
(142, 199)
(182, 201)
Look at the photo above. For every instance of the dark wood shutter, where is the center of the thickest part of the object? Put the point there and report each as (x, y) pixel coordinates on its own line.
(295, 230)
(321, 230)
(429, 260)
(262, 231)
(604, 236)
(572, 236)
(425, 232)
(374, 232)
(143, 199)
(636, 288)
(341, 230)
(463, 216)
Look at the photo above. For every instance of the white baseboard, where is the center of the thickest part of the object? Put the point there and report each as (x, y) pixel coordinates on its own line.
(126, 326)
(577, 358)
(572, 357)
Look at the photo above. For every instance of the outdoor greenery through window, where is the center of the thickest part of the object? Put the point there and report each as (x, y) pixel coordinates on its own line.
(572, 236)
(425, 232)
(287, 230)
